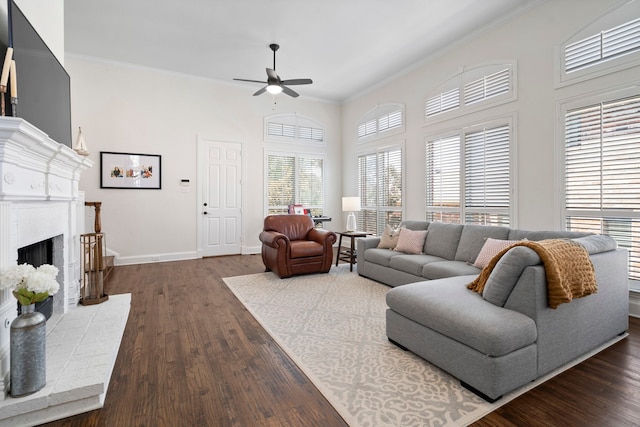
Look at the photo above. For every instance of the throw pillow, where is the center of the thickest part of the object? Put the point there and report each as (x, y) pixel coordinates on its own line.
(411, 241)
(389, 238)
(490, 249)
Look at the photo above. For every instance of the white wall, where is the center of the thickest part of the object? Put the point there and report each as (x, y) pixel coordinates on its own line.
(126, 109)
(529, 38)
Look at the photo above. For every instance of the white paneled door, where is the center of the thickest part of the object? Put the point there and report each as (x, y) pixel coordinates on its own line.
(220, 198)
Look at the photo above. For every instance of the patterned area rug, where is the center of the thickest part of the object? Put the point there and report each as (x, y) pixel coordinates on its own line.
(333, 327)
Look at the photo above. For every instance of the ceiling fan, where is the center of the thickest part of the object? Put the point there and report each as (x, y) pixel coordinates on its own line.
(274, 84)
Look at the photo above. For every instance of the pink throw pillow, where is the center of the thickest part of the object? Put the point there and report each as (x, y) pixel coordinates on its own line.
(411, 241)
(490, 249)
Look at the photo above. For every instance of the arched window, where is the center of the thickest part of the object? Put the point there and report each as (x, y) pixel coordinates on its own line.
(609, 43)
(293, 128)
(385, 119)
(475, 87)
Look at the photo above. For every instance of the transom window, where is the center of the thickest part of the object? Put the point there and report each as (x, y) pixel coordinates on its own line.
(475, 86)
(468, 176)
(602, 173)
(617, 41)
(607, 44)
(381, 120)
(293, 128)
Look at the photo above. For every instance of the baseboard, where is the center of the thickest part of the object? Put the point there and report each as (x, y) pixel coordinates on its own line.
(147, 259)
(251, 250)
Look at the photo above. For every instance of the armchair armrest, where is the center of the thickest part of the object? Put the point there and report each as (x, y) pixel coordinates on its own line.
(322, 236)
(273, 239)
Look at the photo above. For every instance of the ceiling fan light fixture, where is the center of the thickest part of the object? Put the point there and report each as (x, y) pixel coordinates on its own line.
(274, 89)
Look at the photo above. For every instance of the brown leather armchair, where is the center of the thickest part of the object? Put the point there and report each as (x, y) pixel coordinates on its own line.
(291, 245)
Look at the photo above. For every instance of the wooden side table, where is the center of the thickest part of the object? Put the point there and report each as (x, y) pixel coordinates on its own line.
(349, 254)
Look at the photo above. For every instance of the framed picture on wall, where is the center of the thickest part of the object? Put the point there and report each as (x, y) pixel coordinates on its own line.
(130, 171)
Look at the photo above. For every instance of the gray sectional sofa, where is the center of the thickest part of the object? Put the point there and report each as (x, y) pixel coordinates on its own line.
(506, 336)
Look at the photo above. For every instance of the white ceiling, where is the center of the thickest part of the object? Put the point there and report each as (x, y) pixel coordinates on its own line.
(345, 46)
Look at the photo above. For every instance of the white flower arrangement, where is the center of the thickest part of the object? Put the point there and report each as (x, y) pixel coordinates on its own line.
(29, 284)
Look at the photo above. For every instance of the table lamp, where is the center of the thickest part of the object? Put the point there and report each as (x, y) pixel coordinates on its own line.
(351, 205)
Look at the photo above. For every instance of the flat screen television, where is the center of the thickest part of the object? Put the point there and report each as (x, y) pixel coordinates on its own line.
(44, 86)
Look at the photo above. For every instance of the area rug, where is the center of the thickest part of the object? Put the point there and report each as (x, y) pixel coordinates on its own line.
(333, 327)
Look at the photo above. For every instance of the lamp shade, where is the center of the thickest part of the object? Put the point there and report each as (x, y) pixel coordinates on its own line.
(351, 204)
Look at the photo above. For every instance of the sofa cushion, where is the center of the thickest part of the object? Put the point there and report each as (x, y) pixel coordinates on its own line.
(473, 237)
(379, 256)
(412, 264)
(442, 269)
(389, 238)
(506, 273)
(542, 235)
(597, 243)
(415, 225)
(443, 239)
(449, 308)
(411, 241)
(490, 249)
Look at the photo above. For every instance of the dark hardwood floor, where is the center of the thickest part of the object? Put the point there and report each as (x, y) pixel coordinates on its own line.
(192, 355)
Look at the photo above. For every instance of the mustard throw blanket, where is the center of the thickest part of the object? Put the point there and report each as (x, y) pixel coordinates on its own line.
(569, 270)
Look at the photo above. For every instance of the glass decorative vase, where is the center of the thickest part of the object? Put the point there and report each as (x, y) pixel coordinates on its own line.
(28, 352)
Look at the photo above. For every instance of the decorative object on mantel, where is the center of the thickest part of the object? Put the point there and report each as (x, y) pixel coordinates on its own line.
(81, 146)
(14, 89)
(4, 78)
(93, 251)
(28, 331)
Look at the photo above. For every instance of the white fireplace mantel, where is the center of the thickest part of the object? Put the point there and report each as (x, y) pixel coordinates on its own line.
(39, 199)
(35, 167)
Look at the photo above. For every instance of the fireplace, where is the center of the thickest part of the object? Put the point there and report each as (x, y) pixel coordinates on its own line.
(48, 251)
(39, 202)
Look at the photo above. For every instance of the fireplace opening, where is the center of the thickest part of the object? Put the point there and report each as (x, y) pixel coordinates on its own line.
(37, 254)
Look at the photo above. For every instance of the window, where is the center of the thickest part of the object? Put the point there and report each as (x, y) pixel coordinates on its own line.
(486, 87)
(468, 176)
(441, 102)
(487, 176)
(443, 179)
(380, 189)
(293, 128)
(607, 44)
(486, 84)
(294, 179)
(603, 46)
(602, 176)
(381, 120)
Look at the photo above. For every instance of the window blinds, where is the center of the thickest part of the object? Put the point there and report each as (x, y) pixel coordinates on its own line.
(380, 189)
(602, 176)
(612, 43)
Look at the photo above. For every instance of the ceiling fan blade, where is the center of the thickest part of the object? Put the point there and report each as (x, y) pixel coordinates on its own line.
(272, 74)
(250, 81)
(290, 92)
(260, 92)
(297, 82)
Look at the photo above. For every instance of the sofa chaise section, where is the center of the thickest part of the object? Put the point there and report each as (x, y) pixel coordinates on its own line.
(507, 335)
